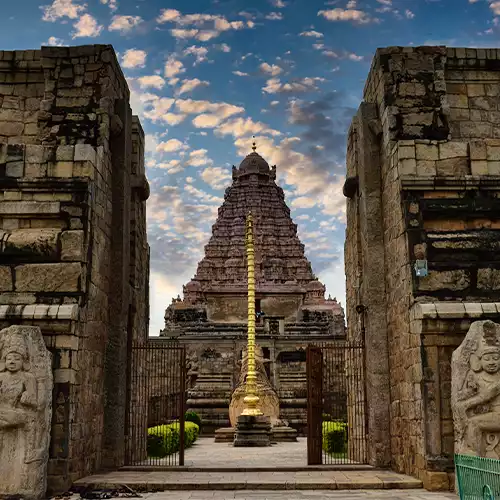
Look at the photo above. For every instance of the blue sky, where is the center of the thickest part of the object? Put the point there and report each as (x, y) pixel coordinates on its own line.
(206, 75)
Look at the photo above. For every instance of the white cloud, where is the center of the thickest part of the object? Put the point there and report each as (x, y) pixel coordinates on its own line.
(206, 35)
(203, 27)
(207, 121)
(199, 52)
(171, 146)
(274, 16)
(240, 127)
(124, 23)
(198, 158)
(338, 14)
(160, 107)
(190, 85)
(183, 33)
(240, 73)
(153, 81)
(275, 86)
(355, 57)
(303, 202)
(224, 47)
(270, 69)
(409, 14)
(168, 15)
(173, 118)
(495, 7)
(279, 4)
(55, 42)
(87, 26)
(385, 2)
(312, 33)
(216, 177)
(113, 4)
(173, 67)
(62, 8)
(134, 58)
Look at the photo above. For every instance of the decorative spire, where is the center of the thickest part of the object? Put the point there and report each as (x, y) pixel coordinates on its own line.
(254, 145)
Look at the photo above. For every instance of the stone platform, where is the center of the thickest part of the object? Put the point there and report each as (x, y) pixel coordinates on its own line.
(146, 481)
(278, 435)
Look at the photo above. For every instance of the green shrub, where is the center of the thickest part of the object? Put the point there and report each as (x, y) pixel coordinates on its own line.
(335, 437)
(192, 416)
(164, 439)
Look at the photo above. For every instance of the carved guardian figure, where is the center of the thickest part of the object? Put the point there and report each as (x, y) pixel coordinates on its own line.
(25, 411)
(475, 375)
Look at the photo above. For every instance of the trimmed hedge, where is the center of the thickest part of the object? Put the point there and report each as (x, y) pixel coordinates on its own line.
(192, 416)
(164, 439)
(335, 437)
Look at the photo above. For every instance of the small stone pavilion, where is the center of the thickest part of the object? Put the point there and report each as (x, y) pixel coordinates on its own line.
(292, 312)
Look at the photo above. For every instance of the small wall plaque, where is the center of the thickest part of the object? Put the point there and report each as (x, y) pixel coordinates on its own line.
(421, 268)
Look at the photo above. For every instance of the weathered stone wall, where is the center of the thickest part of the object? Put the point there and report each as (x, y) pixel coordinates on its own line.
(431, 118)
(70, 187)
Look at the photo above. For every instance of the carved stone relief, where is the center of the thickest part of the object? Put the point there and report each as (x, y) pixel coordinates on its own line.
(25, 411)
(475, 399)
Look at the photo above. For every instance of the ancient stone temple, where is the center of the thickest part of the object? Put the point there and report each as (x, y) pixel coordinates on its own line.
(290, 305)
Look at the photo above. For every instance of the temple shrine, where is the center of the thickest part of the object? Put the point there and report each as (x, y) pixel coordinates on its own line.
(290, 304)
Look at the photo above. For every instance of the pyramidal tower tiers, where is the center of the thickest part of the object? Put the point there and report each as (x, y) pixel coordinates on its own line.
(290, 303)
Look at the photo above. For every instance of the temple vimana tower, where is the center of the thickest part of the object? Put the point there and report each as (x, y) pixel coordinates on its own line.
(292, 312)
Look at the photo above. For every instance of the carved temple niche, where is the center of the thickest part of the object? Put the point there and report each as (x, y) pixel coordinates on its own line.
(25, 412)
(475, 378)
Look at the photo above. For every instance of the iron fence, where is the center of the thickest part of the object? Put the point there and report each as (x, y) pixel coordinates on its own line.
(156, 404)
(336, 404)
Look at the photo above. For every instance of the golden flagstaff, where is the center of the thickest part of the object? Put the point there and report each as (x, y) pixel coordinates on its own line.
(251, 399)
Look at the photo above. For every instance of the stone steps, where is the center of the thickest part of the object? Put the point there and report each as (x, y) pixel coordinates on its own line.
(305, 479)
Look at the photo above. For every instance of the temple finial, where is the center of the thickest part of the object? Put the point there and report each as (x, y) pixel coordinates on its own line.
(254, 145)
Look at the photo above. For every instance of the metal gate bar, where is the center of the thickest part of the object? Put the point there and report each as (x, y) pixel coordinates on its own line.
(157, 393)
(336, 413)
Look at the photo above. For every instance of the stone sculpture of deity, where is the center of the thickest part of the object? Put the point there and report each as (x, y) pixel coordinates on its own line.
(25, 411)
(476, 391)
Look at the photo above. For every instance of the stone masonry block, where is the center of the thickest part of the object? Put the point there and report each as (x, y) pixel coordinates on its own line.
(65, 153)
(5, 279)
(427, 152)
(479, 167)
(67, 311)
(488, 279)
(488, 308)
(493, 153)
(85, 152)
(72, 245)
(406, 152)
(450, 280)
(34, 153)
(48, 277)
(450, 310)
(407, 167)
(477, 150)
(426, 168)
(60, 169)
(453, 149)
(473, 309)
(28, 208)
(493, 167)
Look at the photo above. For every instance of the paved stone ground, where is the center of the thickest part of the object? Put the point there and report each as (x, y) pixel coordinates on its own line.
(207, 453)
(301, 495)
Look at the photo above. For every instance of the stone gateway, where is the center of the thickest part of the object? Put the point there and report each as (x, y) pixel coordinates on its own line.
(25, 412)
(475, 391)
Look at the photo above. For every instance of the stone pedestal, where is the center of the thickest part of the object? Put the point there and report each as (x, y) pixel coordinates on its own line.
(278, 435)
(253, 431)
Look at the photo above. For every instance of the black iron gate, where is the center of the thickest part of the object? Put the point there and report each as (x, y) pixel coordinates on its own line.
(156, 404)
(336, 417)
